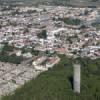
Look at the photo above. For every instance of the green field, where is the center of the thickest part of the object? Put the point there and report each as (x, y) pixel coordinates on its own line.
(56, 84)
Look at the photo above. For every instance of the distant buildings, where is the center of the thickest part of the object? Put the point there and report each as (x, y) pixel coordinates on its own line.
(44, 63)
(21, 29)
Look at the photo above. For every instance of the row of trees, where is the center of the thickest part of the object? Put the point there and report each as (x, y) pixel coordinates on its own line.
(11, 59)
(71, 21)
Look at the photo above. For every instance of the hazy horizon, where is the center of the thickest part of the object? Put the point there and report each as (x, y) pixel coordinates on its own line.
(58, 2)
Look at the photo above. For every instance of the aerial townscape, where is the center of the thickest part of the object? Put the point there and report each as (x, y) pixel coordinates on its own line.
(37, 42)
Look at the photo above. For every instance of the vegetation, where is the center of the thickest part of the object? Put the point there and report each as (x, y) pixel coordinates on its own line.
(25, 49)
(70, 21)
(5, 57)
(31, 50)
(35, 52)
(7, 48)
(97, 25)
(56, 84)
(43, 34)
(11, 58)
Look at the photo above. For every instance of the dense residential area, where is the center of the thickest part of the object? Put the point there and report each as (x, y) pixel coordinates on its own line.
(71, 31)
(39, 46)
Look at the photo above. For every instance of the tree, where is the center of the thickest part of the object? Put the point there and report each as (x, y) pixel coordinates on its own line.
(7, 48)
(43, 34)
(71, 21)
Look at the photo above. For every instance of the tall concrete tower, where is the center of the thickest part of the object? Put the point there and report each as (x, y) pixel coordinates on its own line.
(76, 84)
